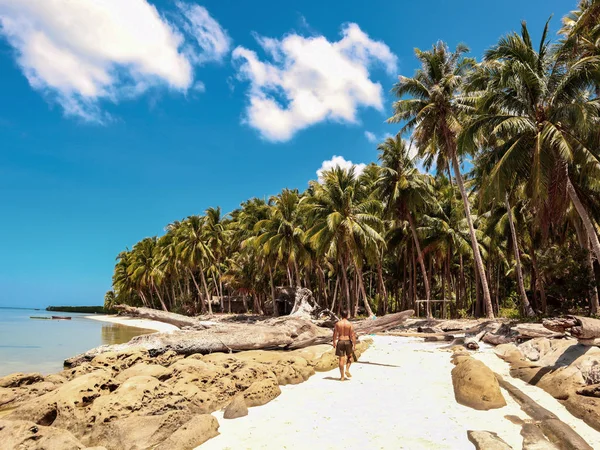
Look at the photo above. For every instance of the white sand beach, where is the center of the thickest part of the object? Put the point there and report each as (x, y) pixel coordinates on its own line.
(134, 322)
(400, 396)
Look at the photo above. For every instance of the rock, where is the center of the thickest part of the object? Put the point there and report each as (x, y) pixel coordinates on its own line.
(475, 385)
(20, 379)
(144, 369)
(237, 408)
(487, 440)
(140, 395)
(65, 407)
(590, 391)
(193, 433)
(261, 392)
(25, 435)
(136, 431)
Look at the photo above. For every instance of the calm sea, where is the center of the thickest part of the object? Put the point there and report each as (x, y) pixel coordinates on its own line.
(33, 345)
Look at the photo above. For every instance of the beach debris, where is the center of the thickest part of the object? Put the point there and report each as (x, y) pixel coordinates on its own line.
(282, 333)
(474, 383)
(534, 438)
(585, 329)
(237, 408)
(487, 440)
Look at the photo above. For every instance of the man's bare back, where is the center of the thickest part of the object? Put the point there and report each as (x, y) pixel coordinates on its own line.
(344, 341)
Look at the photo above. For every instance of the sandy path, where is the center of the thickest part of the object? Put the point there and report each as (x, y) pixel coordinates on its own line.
(134, 322)
(401, 396)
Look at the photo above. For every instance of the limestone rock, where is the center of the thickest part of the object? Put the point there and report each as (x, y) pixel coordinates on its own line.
(20, 379)
(237, 408)
(25, 435)
(487, 440)
(193, 433)
(65, 407)
(261, 392)
(136, 431)
(475, 385)
(152, 370)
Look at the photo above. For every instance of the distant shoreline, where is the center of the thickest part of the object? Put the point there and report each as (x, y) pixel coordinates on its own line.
(80, 309)
(134, 322)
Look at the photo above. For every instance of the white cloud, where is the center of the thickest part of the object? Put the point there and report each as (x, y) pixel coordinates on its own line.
(375, 139)
(310, 79)
(370, 137)
(340, 161)
(80, 52)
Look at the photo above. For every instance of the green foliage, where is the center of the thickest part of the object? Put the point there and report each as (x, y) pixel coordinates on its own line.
(80, 309)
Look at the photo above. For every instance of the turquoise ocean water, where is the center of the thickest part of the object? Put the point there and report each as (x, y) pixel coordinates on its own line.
(30, 345)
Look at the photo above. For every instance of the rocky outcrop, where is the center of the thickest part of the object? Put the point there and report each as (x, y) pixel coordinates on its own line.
(135, 399)
(567, 370)
(475, 385)
(24, 435)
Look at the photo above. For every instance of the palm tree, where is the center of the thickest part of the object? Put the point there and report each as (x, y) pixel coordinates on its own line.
(215, 235)
(195, 253)
(345, 223)
(539, 113)
(404, 190)
(435, 114)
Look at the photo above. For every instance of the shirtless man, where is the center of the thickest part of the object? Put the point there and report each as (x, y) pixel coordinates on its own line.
(344, 341)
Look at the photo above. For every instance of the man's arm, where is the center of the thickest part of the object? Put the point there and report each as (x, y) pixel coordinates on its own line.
(335, 334)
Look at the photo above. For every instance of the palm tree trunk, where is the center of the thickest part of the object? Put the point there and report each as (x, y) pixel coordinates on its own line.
(584, 242)
(382, 287)
(208, 297)
(275, 312)
(298, 281)
(587, 222)
(478, 261)
(202, 306)
(421, 263)
(346, 286)
(524, 300)
(335, 293)
(364, 293)
(160, 298)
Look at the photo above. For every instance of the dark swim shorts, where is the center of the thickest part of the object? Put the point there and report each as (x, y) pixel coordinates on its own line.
(343, 348)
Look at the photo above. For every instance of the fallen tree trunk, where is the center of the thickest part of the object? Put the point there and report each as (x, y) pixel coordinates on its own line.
(177, 320)
(283, 333)
(585, 329)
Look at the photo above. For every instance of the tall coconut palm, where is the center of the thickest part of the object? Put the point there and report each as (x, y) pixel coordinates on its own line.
(435, 114)
(345, 222)
(215, 234)
(541, 113)
(404, 191)
(195, 253)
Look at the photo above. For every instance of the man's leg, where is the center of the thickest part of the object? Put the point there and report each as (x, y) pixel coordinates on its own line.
(348, 363)
(342, 364)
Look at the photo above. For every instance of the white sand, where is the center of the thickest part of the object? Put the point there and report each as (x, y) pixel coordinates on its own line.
(400, 397)
(135, 322)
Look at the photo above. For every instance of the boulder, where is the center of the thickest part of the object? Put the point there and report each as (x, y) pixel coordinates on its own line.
(237, 408)
(20, 379)
(25, 435)
(475, 385)
(136, 431)
(142, 395)
(193, 433)
(261, 392)
(487, 440)
(65, 407)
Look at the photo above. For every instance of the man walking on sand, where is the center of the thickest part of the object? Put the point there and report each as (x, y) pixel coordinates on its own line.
(344, 341)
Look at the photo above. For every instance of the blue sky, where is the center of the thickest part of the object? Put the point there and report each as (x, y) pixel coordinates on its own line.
(116, 121)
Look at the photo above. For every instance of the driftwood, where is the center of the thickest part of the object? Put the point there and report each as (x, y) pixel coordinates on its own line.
(585, 329)
(177, 320)
(283, 333)
(557, 431)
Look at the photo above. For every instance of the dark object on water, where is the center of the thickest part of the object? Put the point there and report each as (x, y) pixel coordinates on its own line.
(39, 317)
(60, 318)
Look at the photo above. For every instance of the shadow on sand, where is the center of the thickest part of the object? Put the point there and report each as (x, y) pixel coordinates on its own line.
(375, 364)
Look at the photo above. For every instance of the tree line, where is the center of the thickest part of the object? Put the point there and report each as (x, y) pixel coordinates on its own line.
(514, 232)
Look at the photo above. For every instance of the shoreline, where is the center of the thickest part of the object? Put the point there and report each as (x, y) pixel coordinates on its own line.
(135, 322)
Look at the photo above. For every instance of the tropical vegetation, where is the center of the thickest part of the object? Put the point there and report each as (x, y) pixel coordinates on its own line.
(485, 203)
